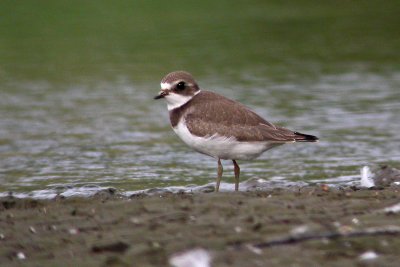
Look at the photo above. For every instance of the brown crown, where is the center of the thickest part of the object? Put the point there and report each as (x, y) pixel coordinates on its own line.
(178, 76)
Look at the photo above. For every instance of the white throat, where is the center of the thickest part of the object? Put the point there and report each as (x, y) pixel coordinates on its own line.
(175, 100)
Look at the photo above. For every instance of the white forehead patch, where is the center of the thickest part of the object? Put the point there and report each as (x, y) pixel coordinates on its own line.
(166, 86)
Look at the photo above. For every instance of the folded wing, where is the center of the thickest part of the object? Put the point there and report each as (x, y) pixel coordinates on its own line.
(229, 118)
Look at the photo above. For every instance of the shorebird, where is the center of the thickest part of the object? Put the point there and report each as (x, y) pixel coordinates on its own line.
(220, 127)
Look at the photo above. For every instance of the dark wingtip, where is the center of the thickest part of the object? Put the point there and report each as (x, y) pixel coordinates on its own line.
(300, 137)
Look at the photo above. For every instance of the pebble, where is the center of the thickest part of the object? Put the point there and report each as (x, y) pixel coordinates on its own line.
(300, 230)
(135, 220)
(392, 209)
(21, 255)
(368, 255)
(254, 249)
(355, 221)
(73, 231)
(238, 229)
(325, 188)
(192, 258)
(32, 229)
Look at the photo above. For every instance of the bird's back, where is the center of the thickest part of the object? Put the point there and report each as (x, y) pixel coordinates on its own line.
(208, 112)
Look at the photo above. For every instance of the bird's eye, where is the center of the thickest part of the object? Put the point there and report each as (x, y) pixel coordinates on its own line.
(180, 86)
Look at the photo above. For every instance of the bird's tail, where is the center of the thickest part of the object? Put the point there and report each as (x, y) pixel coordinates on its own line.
(300, 137)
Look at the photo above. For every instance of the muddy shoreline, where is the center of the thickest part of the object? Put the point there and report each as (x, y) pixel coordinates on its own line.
(304, 226)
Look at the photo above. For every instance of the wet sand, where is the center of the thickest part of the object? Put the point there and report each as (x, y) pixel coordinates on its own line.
(308, 226)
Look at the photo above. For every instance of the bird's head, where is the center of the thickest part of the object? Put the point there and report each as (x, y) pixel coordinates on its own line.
(177, 88)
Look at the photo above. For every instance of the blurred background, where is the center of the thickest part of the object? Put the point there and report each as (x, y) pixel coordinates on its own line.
(77, 80)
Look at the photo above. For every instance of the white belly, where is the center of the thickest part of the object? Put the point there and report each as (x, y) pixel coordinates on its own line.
(222, 147)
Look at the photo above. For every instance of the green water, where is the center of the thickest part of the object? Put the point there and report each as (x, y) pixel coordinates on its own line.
(77, 80)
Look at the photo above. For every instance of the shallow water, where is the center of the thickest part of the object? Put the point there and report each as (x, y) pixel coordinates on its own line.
(77, 113)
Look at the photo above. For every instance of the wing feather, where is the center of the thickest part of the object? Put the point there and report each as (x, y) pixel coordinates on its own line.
(219, 115)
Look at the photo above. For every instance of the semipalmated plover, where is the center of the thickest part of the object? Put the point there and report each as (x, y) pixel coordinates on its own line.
(220, 127)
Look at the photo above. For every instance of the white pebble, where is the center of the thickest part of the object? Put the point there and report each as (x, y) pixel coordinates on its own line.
(254, 249)
(300, 230)
(32, 229)
(392, 209)
(135, 220)
(73, 231)
(368, 255)
(21, 255)
(366, 177)
(192, 258)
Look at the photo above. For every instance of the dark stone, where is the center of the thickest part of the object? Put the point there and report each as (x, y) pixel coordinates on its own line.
(117, 247)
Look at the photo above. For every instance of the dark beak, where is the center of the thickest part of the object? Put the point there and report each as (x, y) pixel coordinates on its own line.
(161, 94)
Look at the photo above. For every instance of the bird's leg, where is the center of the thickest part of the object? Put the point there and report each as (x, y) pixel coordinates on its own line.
(237, 174)
(220, 170)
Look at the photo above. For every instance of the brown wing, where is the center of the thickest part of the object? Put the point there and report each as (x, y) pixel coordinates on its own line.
(217, 114)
